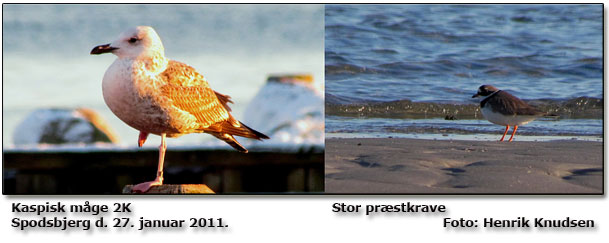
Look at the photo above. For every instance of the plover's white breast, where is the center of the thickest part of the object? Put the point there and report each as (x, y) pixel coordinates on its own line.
(505, 120)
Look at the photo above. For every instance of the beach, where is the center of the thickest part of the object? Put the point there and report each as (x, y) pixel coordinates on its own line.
(404, 165)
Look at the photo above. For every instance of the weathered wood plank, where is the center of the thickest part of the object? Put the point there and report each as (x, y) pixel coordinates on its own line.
(107, 172)
(173, 189)
(56, 160)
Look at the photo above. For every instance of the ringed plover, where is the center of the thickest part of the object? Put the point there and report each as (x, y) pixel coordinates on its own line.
(502, 108)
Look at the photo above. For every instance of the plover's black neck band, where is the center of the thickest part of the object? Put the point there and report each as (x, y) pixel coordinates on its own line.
(483, 102)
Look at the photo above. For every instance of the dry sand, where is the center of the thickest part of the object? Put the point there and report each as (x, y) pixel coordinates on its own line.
(402, 165)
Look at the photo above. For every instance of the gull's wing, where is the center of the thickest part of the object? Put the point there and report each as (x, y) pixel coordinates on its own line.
(189, 92)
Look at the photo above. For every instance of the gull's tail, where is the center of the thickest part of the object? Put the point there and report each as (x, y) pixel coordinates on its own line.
(229, 130)
(231, 141)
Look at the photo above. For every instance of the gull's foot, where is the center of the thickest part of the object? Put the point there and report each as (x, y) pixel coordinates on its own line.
(144, 187)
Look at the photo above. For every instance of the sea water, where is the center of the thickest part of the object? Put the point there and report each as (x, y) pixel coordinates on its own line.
(412, 69)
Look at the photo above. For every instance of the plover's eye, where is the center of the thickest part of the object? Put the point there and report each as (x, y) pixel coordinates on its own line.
(132, 40)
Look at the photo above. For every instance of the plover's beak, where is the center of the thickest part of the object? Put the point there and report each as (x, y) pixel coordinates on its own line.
(101, 49)
(476, 95)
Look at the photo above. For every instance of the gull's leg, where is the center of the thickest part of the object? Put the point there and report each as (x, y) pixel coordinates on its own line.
(514, 132)
(159, 170)
(144, 187)
(506, 129)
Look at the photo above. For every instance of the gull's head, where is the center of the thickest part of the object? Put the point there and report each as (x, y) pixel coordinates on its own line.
(140, 41)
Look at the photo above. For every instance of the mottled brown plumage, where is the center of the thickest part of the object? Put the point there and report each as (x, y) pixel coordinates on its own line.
(164, 97)
(188, 91)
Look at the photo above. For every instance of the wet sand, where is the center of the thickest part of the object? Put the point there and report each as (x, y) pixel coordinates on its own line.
(403, 165)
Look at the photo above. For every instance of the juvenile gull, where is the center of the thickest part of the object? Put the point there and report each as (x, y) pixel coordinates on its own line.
(164, 97)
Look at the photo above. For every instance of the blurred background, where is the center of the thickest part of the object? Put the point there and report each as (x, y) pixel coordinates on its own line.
(53, 108)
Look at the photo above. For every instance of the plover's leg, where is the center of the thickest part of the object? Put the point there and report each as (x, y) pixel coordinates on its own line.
(506, 129)
(144, 187)
(514, 132)
(142, 138)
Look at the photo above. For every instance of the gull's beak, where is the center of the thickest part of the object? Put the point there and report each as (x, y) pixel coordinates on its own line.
(101, 49)
(476, 95)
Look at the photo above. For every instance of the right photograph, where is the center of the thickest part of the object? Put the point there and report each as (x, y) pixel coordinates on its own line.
(464, 99)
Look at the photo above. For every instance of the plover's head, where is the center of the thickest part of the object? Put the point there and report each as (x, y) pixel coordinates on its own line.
(485, 90)
(141, 41)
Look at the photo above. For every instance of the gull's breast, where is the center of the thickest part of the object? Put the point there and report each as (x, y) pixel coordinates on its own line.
(134, 99)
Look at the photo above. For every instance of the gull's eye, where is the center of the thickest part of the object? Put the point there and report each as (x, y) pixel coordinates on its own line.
(132, 40)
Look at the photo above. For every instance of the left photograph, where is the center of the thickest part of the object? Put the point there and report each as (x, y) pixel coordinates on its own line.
(163, 99)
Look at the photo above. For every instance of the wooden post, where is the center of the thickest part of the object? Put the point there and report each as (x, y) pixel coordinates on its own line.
(173, 189)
